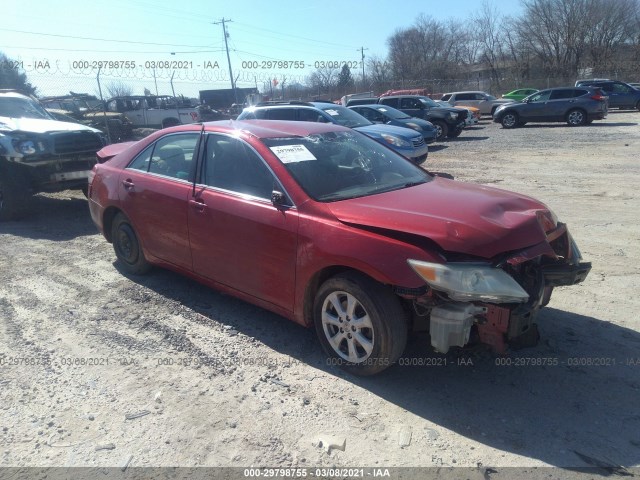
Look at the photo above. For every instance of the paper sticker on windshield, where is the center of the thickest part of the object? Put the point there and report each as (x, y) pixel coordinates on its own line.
(332, 112)
(293, 153)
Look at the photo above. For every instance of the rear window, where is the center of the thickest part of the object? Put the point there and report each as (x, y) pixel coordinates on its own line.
(561, 94)
(446, 97)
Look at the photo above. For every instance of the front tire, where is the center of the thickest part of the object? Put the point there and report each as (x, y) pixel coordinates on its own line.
(360, 323)
(576, 117)
(15, 196)
(510, 120)
(442, 129)
(127, 246)
(455, 133)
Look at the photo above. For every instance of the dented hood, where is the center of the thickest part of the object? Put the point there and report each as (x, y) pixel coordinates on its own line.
(41, 125)
(459, 217)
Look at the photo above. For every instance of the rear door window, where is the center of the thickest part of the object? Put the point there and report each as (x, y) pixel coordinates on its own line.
(309, 115)
(281, 114)
(392, 102)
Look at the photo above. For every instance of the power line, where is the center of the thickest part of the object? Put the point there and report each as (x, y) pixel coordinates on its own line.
(253, 27)
(106, 51)
(104, 39)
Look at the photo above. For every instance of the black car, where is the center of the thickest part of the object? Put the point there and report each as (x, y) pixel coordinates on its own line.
(621, 95)
(449, 121)
(574, 105)
(390, 116)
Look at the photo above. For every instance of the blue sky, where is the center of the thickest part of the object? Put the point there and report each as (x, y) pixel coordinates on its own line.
(54, 40)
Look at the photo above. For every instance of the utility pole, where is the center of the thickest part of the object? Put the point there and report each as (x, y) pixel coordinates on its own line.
(226, 46)
(362, 49)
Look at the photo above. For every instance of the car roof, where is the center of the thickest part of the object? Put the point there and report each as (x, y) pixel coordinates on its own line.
(295, 104)
(273, 128)
(467, 91)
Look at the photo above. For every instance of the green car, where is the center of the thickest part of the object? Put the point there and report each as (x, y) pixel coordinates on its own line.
(519, 94)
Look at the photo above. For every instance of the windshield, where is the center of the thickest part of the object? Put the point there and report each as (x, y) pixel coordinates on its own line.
(15, 107)
(345, 117)
(336, 166)
(491, 97)
(429, 102)
(393, 113)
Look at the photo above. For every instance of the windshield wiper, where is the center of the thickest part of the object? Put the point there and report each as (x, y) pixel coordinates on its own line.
(413, 184)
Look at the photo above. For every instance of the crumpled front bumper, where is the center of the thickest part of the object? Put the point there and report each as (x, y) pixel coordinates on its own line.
(558, 263)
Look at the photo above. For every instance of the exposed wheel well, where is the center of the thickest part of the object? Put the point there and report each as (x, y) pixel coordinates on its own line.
(314, 284)
(107, 221)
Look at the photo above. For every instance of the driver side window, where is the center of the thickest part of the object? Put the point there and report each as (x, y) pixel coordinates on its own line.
(230, 164)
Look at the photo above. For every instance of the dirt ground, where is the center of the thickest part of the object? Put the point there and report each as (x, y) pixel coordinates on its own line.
(101, 369)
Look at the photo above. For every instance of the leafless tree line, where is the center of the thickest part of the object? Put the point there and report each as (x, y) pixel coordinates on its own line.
(555, 41)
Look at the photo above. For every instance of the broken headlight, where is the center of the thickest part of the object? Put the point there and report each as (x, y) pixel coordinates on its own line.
(469, 282)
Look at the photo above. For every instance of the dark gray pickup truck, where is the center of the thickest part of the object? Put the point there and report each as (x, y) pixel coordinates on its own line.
(449, 121)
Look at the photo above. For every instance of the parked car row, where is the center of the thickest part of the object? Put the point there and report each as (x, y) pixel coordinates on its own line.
(447, 120)
(405, 141)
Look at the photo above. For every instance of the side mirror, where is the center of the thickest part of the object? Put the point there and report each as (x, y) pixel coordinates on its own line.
(277, 198)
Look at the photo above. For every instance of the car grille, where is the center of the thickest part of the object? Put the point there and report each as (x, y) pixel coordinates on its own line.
(418, 142)
(76, 142)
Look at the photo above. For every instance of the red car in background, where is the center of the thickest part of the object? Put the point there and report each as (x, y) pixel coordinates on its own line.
(331, 229)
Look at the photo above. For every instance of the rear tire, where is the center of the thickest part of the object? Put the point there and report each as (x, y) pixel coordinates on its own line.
(360, 323)
(127, 246)
(442, 129)
(15, 195)
(510, 120)
(576, 117)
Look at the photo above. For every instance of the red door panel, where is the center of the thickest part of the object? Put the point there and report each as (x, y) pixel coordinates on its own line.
(244, 243)
(157, 207)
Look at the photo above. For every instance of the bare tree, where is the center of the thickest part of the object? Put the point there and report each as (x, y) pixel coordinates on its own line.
(117, 88)
(323, 79)
(490, 36)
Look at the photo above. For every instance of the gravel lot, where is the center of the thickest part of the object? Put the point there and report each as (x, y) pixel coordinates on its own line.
(97, 369)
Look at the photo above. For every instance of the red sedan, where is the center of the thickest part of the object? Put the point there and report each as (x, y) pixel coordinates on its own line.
(331, 229)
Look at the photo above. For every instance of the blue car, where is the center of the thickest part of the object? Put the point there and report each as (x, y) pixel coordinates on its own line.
(408, 143)
(385, 115)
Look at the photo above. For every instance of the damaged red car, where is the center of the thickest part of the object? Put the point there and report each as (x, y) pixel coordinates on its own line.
(334, 231)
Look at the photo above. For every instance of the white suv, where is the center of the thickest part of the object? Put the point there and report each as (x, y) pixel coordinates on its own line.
(482, 100)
